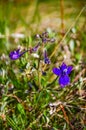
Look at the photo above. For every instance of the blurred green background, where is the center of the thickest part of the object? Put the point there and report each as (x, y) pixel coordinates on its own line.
(32, 16)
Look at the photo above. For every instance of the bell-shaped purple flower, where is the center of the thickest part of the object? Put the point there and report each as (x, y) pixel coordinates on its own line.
(46, 59)
(35, 48)
(44, 40)
(14, 55)
(63, 72)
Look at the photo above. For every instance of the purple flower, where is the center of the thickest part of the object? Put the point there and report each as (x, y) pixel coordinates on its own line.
(46, 59)
(43, 73)
(14, 55)
(44, 40)
(63, 72)
(34, 49)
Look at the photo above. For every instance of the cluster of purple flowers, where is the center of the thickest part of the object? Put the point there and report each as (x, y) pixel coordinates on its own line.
(63, 71)
(44, 37)
(16, 54)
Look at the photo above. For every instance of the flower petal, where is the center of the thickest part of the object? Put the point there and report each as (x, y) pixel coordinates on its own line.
(17, 51)
(56, 71)
(34, 49)
(64, 80)
(13, 56)
(69, 69)
(63, 66)
(45, 53)
(47, 60)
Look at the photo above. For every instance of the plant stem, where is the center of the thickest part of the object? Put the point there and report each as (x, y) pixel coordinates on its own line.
(62, 14)
(67, 32)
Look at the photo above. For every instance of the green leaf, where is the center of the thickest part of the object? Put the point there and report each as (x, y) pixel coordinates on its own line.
(20, 109)
(12, 123)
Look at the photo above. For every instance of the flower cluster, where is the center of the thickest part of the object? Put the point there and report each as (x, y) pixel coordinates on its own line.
(44, 37)
(63, 71)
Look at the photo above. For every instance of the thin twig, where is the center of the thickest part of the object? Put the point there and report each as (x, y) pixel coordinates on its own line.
(79, 75)
(67, 32)
(14, 96)
(62, 14)
(65, 116)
